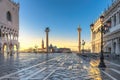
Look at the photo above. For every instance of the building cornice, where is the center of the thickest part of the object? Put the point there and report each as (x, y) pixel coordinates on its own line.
(14, 3)
(113, 6)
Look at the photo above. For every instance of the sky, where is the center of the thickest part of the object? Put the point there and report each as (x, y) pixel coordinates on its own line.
(62, 17)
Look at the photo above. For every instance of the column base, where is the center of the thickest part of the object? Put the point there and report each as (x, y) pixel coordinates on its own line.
(102, 64)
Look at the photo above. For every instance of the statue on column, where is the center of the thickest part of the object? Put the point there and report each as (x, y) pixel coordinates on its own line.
(79, 39)
(47, 30)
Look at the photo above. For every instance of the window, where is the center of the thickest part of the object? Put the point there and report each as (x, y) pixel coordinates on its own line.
(114, 20)
(9, 17)
(114, 47)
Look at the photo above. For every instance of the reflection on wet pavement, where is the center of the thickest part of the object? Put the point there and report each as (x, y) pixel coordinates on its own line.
(60, 66)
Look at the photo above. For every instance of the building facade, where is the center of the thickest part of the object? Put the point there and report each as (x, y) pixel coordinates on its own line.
(112, 37)
(95, 36)
(9, 26)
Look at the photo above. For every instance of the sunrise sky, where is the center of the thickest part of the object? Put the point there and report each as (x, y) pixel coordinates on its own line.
(63, 18)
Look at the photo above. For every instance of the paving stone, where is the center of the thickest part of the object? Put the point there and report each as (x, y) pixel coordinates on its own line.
(30, 66)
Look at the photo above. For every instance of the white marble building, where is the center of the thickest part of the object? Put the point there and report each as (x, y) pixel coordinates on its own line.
(95, 36)
(112, 38)
(9, 26)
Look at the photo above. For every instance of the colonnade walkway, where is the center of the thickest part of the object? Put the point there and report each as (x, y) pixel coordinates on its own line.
(55, 66)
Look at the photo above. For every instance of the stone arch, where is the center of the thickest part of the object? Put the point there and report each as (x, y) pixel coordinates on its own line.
(4, 48)
(16, 37)
(10, 46)
(15, 48)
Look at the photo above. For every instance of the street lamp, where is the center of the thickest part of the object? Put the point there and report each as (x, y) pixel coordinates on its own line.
(83, 43)
(102, 63)
(103, 29)
(92, 27)
(108, 23)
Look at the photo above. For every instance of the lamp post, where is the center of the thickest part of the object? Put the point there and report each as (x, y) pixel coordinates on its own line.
(103, 29)
(83, 43)
(102, 63)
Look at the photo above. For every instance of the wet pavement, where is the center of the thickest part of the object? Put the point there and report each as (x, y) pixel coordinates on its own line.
(57, 66)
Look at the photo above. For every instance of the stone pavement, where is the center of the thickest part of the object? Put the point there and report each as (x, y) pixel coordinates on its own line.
(56, 67)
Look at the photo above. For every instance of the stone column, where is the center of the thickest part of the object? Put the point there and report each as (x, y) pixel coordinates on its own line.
(0, 34)
(6, 38)
(11, 49)
(17, 37)
(112, 21)
(117, 18)
(13, 36)
(4, 35)
(10, 36)
(0, 40)
(79, 39)
(47, 39)
(7, 45)
(112, 47)
(93, 48)
(1, 48)
(92, 41)
(117, 46)
(17, 48)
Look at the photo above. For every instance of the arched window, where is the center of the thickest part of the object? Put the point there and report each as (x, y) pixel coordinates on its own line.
(9, 17)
